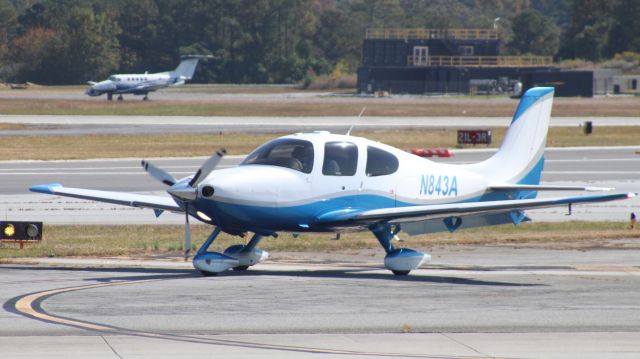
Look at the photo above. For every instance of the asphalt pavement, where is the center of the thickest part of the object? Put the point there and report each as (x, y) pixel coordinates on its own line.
(469, 302)
(48, 125)
(617, 167)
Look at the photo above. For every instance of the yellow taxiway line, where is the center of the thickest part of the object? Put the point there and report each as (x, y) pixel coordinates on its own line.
(25, 306)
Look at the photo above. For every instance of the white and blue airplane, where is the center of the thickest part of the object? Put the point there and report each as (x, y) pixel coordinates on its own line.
(323, 182)
(142, 84)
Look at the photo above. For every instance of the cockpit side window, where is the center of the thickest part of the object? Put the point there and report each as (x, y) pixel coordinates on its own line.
(290, 153)
(340, 159)
(380, 162)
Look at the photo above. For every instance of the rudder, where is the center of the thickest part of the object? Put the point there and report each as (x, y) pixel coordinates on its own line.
(520, 158)
(186, 69)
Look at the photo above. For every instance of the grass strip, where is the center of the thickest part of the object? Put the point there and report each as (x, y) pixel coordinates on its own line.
(258, 105)
(186, 145)
(159, 240)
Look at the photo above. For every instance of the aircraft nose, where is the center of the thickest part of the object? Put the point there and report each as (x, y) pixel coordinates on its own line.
(103, 86)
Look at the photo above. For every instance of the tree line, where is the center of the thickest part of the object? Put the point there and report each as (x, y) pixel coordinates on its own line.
(280, 41)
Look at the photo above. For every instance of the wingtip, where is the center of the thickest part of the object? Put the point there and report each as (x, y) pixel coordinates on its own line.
(45, 188)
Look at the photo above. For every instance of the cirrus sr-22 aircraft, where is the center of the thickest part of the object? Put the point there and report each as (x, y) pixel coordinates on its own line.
(142, 84)
(323, 182)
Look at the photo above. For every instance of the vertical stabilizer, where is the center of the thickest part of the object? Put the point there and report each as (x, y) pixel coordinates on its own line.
(520, 158)
(185, 69)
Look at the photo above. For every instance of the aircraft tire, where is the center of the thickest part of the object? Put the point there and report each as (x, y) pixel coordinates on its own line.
(241, 268)
(400, 272)
(208, 274)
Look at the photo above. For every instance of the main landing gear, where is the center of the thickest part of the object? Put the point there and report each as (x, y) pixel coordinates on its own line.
(400, 261)
(109, 96)
(237, 257)
(120, 98)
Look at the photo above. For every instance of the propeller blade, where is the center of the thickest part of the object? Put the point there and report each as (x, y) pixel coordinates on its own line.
(206, 168)
(187, 234)
(158, 173)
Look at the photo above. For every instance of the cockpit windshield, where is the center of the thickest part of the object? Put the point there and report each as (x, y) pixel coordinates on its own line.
(289, 153)
(113, 78)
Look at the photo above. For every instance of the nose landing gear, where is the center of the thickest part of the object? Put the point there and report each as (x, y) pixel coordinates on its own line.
(237, 257)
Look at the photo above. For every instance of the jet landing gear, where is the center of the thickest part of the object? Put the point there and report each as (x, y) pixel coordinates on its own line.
(400, 261)
(238, 257)
(146, 97)
(109, 96)
(120, 98)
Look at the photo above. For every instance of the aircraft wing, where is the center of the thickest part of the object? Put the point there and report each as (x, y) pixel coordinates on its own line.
(122, 198)
(147, 86)
(527, 187)
(351, 217)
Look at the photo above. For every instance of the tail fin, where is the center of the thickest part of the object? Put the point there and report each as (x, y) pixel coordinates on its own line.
(520, 158)
(185, 69)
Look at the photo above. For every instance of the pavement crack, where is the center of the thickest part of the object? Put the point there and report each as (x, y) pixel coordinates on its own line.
(111, 347)
(467, 346)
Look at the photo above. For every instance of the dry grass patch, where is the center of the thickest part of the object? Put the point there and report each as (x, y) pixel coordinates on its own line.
(150, 240)
(315, 105)
(186, 145)
(14, 126)
(116, 146)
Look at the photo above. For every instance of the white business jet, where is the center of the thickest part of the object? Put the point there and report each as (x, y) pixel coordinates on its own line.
(142, 84)
(322, 182)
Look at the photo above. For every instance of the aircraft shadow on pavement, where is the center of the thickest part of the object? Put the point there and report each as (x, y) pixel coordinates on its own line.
(360, 274)
(142, 273)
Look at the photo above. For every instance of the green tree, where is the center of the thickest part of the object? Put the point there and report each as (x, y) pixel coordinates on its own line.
(8, 23)
(625, 31)
(141, 45)
(334, 38)
(65, 42)
(30, 53)
(588, 33)
(91, 45)
(534, 34)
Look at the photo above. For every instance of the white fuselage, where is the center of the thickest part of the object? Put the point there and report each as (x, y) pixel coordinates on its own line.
(133, 83)
(275, 196)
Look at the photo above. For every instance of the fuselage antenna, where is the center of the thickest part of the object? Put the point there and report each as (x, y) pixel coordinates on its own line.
(352, 126)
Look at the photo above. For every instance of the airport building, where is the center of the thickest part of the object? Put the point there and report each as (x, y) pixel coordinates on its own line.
(457, 61)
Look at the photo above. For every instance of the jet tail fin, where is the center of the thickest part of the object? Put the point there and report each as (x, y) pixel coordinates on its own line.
(185, 69)
(520, 159)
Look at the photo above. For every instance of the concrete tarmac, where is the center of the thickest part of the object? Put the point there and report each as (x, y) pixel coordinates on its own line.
(604, 167)
(470, 302)
(46, 125)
